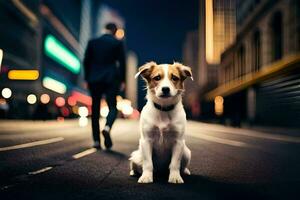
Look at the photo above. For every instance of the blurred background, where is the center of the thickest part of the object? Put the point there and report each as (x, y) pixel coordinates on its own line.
(244, 54)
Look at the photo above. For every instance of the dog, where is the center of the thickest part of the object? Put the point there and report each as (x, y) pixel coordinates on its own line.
(162, 124)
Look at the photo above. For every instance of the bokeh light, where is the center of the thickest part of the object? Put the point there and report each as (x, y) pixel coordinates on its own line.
(2, 102)
(6, 93)
(120, 34)
(1, 57)
(104, 111)
(45, 98)
(60, 101)
(65, 111)
(219, 107)
(31, 99)
(83, 111)
(83, 121)
(71, 101)
(127, 110)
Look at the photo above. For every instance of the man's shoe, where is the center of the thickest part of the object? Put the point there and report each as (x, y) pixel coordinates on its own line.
(107, 140)
(97, 145)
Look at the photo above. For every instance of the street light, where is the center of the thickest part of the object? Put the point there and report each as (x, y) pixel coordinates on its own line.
(6, 93)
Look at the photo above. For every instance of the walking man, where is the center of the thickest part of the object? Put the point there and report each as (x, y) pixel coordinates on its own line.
(104, 65)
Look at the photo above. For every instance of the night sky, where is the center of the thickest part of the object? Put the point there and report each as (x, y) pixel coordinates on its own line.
(155, 30)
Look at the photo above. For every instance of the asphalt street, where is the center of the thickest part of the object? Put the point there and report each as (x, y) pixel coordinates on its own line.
(54, 160)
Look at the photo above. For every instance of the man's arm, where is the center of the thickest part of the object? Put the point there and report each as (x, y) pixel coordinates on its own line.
(87, 61)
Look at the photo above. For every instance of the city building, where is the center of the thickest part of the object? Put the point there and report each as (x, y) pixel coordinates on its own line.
(258, 78)
(42, 45)
(42, 51)
(191, 94)
(216, 32)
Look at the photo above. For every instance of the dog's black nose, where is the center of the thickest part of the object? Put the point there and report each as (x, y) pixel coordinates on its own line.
(165, 90)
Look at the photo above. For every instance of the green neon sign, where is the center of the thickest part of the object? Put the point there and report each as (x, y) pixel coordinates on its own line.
(58, 52)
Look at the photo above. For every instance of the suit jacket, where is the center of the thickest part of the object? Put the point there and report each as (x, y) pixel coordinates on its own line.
(104, 60)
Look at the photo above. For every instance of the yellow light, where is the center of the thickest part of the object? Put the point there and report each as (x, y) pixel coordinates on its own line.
(120, 34)
(83, 121)
(1, 57)
(6, 93)
(83, 111)
(45, 98)
(54, 85)
(209, 31)
(23, 74)
(219, 100)
(219, 107)
(75, 109)
(31, 99)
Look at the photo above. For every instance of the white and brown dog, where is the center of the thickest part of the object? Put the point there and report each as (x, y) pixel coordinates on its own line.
(162, 124)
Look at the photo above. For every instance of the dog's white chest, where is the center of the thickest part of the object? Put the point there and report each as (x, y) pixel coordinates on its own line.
(164, 123)
(166, 132)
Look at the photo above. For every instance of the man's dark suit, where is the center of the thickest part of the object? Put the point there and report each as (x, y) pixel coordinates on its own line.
(104, 65)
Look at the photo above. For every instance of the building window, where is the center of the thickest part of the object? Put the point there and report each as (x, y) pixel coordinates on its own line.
(256, 50)
(241, 61)
(276, 36)
(227, 74)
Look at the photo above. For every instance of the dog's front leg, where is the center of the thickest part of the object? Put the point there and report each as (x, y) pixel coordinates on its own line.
(174, 176)
(147, 175)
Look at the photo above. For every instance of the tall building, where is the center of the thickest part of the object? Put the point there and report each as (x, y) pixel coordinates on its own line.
(220, 28)
(259, 74)
(216, 32)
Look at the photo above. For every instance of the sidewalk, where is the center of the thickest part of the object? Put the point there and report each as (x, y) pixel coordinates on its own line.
(274, 133)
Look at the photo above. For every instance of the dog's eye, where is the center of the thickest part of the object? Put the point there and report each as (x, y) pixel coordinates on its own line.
(175, 78)
(157, 78)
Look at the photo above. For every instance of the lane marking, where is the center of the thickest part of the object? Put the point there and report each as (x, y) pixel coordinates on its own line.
(222, 140)
(40, 171)
(84, 153)
(32, 144)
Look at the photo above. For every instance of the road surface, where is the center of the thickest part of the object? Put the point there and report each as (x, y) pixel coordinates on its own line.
(54, 160)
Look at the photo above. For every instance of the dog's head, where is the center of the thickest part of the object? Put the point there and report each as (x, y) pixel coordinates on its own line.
(165, 81)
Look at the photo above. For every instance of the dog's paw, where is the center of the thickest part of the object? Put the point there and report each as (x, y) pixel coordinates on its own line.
(147, 177)
(186, 171)
(175, 177)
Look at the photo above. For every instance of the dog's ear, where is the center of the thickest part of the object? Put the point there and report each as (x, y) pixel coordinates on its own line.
(185, 71)
(145, 70)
